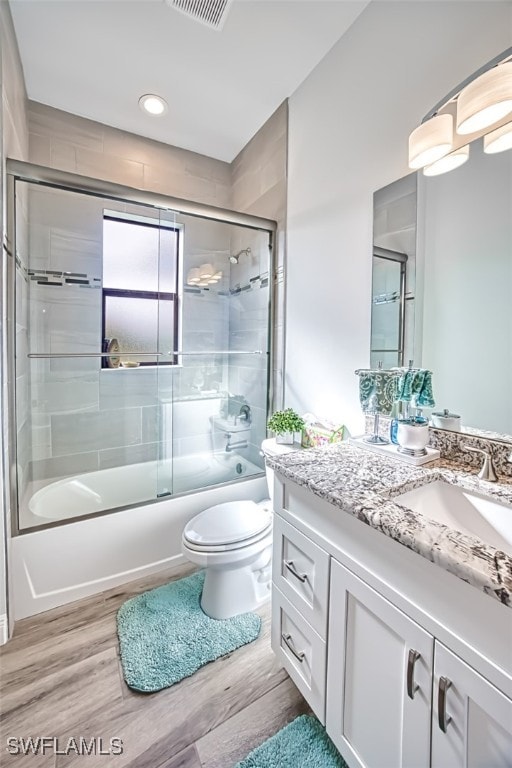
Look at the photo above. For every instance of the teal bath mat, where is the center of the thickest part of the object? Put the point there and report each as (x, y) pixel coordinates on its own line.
(164, 635)
(303, 743)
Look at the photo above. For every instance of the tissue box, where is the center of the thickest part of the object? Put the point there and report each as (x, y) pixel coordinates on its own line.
(315, 435)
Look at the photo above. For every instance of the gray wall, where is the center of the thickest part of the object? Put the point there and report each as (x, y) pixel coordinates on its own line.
(70, 143)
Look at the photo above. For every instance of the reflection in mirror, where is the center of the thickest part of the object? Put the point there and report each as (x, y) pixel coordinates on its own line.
(393, 274)
(467, 288)
(459, 324)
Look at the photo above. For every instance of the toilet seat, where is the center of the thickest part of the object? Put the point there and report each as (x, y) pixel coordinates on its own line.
(237, 545)
(232, 525)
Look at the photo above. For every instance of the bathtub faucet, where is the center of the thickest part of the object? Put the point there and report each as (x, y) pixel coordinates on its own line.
(234, 446)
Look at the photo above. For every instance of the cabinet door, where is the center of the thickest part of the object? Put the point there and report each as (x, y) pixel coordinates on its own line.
(471, 719)
(379, 678)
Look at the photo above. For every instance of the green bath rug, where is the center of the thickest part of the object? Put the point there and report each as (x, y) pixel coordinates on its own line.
(301, 744)
(164, 635)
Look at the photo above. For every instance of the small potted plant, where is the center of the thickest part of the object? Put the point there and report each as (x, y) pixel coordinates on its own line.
(285, 424)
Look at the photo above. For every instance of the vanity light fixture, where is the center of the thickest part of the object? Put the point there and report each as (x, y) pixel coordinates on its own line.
(498, 140)
(447, 163)
(485, 100)
(478, 105)
(430, 141)
(153, 105)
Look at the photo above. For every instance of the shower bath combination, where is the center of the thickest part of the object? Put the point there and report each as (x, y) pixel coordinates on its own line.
(96, 261)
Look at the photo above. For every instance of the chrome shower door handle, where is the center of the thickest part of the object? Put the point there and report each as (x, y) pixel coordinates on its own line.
(411, 661)
(299, 655)
(302, 577)
(443, 719)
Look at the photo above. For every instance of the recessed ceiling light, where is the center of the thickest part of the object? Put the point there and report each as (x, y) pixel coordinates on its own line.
(153, 105)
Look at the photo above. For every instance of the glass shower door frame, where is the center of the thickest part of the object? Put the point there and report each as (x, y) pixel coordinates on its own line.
(27, 172)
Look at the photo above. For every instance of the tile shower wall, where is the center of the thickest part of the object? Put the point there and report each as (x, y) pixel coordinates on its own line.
(202, 381)
(71, 143)
(259, 187)
(248, 330)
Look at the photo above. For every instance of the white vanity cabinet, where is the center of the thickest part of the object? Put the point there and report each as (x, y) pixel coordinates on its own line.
(379, 681)
(471, 719)
(397, 698)
(406, 665)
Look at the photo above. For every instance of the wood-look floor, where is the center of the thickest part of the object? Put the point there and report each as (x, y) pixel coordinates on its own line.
(61, 677)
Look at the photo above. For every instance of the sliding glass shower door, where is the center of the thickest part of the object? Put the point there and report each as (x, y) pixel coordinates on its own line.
(142, 352)
(98, 287)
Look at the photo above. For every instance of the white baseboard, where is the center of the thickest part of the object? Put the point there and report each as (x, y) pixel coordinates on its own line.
(4, 629)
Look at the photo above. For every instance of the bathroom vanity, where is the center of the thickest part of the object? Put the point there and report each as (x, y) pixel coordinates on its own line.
(396, 628)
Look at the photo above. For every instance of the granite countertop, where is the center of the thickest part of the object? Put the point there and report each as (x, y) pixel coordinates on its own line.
(364, 485)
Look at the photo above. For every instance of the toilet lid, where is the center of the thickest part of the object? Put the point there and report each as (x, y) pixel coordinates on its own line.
(227, 523)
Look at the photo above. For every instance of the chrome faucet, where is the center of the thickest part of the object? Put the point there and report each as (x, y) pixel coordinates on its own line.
(239, 444)
(487, 472)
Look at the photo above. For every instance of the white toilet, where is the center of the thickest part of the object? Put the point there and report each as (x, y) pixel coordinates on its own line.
(233, 542)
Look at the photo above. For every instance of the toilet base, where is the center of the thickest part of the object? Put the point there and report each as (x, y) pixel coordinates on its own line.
(229, 592)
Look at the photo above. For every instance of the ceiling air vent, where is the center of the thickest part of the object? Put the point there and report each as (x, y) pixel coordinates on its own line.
(212, 13)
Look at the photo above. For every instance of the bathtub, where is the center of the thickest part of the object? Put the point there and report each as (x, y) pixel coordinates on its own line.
(79, 556)
(135, 484)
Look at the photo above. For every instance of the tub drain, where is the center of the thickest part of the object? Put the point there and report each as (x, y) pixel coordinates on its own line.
(239, 469)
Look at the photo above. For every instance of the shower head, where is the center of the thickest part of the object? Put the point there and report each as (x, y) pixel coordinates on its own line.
(235, 259)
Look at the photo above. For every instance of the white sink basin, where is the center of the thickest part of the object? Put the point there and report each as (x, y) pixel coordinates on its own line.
(466, 511)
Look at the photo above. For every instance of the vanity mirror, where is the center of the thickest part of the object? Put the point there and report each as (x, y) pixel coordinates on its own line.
(451, 312)
(458, 313)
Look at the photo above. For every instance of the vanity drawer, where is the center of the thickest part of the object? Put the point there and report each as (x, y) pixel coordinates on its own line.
(301, 571)
(301, 651)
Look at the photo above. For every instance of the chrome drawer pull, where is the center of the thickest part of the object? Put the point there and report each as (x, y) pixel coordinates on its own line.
(411, 661)
(291, 567)
(443, 719)
(299, 655)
